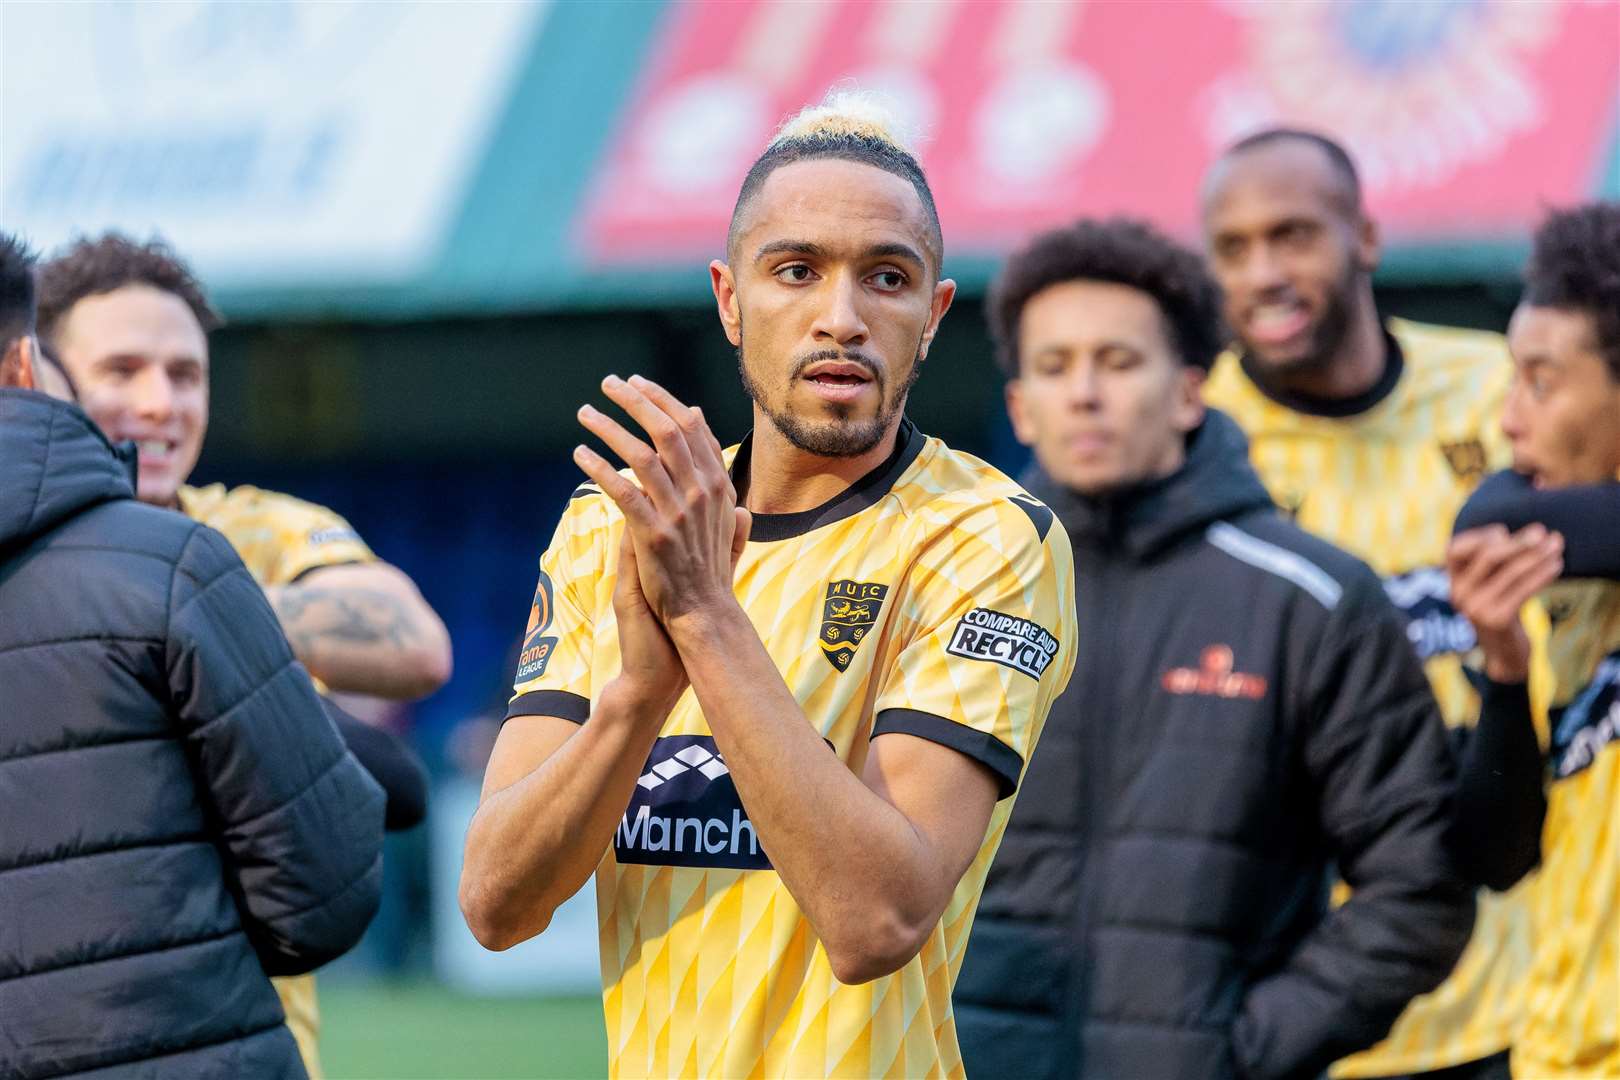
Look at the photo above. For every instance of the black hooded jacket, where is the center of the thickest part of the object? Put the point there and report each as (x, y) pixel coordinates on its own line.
(178, 817)
(1246, 716)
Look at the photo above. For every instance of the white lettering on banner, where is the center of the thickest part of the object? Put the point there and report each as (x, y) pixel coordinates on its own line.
(1017, 643)
(288, 170)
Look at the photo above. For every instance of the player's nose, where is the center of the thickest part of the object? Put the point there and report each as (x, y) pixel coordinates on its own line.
(839, 318)
(153, 394)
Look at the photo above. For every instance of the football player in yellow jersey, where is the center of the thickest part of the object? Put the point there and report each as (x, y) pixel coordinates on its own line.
(1563, 418)
(777, 699)
(1371, 433)
(129, 323)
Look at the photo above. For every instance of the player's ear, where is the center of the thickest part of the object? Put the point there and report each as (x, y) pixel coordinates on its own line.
(1369, 245)
(1023, 430)
(1187, 411)
(17, 365)
(944, 293)
(725, 299)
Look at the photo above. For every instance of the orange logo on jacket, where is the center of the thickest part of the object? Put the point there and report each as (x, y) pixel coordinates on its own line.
(1215, 677)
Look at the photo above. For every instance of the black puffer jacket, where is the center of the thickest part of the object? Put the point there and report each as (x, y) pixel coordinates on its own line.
(1246, 713)
(178, 817)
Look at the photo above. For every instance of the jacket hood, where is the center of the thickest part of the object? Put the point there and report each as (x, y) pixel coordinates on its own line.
(1215, 483)
(54, 463)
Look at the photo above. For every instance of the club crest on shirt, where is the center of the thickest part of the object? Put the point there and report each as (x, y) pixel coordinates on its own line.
(847, 616)
(536, 646)
(1466, 458)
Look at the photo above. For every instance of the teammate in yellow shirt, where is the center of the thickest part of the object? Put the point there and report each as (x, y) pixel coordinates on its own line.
(1563, 418)
(778, 698)
(1372, 433)
(129, 323)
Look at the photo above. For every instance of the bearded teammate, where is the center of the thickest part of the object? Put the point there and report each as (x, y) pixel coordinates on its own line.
(1563, 418)
(129, 323)
(1371, 432)
(778, 698)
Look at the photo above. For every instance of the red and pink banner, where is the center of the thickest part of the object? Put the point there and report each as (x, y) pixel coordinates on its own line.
(1466, 117)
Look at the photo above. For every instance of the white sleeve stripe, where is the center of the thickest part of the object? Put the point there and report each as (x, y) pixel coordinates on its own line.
(1276, 560)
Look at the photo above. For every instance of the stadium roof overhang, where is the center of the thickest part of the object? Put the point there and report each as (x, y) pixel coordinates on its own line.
(390, 161)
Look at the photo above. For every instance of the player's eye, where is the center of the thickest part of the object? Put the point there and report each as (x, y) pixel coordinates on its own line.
(889, 280)
(795, 273)
(1296, 234)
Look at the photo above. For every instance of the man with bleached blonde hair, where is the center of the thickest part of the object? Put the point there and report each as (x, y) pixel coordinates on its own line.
(777, 698)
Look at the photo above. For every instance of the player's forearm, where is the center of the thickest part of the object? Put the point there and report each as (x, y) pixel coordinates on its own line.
(533, 844)
(864, 876)
(371, 634)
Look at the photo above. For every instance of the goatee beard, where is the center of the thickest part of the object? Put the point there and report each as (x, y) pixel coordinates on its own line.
(842, 437)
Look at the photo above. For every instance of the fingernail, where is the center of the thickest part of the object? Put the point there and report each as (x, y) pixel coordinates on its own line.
(587, 410)
(612, 380)
(637, 380)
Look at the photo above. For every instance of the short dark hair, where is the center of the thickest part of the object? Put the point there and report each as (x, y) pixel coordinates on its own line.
(1338, 157)
(16, 291)
(1123, 251)
(1575, 264)
(843, 129)
(90, 267)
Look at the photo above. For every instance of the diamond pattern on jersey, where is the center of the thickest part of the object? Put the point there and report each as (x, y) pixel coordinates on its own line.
(712, 766)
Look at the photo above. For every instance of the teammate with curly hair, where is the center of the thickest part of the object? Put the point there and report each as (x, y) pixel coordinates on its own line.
(1246, 712)
(1555, 516)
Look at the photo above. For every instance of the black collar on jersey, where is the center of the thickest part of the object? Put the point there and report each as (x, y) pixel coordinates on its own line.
(862, 494)
(1337, 408)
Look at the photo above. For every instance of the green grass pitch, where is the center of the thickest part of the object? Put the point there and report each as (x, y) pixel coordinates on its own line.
(419, 1031)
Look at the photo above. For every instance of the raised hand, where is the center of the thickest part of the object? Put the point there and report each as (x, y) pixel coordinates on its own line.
(683, 520)
(1493, 574)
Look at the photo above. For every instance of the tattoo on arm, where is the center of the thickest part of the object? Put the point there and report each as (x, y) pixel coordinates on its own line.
(353, 616)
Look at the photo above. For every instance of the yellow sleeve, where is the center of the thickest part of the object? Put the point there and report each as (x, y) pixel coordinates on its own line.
(310, 537)
(553, 675)
(989, 622)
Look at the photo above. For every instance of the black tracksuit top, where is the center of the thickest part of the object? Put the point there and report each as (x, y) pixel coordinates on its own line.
(1246, 718)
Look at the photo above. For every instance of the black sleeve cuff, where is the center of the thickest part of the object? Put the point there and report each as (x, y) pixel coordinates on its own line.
(550, 703)
(984, 748)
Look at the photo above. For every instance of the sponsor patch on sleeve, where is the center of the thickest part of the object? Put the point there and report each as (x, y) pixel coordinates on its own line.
(984, 634)
(332, 534)
(537, 646)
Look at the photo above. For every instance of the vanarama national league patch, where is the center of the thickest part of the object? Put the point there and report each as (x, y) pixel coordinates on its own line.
(536, 646)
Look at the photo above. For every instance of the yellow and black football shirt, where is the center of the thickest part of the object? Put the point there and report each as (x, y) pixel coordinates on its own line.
(279, 539)
(1383, 476)
(1571, 1024)
(933, 597)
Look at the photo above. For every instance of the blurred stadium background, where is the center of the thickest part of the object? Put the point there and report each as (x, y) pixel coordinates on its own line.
(434, 227)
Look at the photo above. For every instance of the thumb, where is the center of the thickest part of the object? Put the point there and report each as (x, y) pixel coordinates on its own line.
(739, 536)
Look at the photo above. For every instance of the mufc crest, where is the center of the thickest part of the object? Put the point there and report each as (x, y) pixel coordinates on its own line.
(847, 616)
(1466, 458)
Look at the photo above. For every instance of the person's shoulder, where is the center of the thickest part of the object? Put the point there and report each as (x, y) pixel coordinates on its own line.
(129, 526)
(1454, 349)
(1229, 387)
(951, 491)
(1273, 546)
(217, 502)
